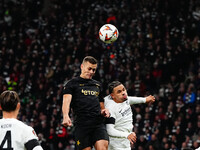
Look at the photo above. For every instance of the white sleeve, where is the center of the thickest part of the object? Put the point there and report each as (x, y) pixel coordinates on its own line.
(31, 140)
(115, 133)
(38, 148)
(136, 100)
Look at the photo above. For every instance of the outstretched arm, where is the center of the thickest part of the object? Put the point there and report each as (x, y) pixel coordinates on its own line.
(65, 109)
(150, 99)
(136, 100)
(139, 100)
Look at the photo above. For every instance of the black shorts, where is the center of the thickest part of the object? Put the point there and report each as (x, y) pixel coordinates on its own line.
(87, 136)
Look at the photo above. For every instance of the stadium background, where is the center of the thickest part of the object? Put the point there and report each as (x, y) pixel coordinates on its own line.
(42, 44)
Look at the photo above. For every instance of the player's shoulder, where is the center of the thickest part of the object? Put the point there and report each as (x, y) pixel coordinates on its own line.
(27, 130)
(96, 82)
(75, 79)
(71, 81)
(107, 98)
(20, 126)
(108, 102)
(23, 125)
(128, 100)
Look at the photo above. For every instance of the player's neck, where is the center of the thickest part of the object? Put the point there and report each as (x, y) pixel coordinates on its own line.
(8, 115)
(84, 77)
(116, 101)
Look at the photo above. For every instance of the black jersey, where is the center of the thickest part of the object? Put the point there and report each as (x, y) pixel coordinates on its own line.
(86, 95)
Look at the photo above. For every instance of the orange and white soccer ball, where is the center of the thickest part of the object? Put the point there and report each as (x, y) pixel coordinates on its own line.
(108, 33)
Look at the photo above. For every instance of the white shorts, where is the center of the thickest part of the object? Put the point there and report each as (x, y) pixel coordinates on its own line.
(119, 144)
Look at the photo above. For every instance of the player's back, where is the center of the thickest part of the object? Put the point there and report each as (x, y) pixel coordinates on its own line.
(15, 135)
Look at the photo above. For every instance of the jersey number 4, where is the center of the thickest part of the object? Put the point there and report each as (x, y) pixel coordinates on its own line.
(8, 139)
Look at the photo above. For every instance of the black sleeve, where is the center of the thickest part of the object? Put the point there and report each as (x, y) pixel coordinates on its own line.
(110, 120)
(68, 88)
(101, 99)
(31, 144)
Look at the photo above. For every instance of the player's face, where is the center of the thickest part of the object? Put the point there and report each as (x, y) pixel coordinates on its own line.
(119, 94)
(88, 70)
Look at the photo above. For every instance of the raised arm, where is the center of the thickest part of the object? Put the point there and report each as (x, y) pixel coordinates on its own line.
(150, 99)
(139, 100)
(65, 109)
(136, 100)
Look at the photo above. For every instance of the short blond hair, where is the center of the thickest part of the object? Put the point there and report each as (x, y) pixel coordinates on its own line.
(89, 59)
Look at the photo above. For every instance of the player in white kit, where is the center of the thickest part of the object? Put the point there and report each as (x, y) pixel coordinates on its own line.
(14, 134)
(120, 124)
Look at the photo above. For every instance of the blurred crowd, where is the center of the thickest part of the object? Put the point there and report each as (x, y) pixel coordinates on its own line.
(42, 44)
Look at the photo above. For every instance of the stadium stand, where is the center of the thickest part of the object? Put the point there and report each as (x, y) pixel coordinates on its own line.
(157, 52)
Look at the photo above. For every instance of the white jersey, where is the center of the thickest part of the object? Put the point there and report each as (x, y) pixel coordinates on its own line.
(123, 124)
(15, 135)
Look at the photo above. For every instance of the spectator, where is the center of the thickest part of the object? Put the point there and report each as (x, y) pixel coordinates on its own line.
(42, 44)
(153, 143)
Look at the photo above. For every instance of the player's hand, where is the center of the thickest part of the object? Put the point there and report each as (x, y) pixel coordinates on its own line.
(150, 99)
(132, 138)
(105, 112)
(67, 122)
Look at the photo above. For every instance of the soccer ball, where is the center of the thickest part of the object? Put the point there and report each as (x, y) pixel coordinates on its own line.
(108, 33)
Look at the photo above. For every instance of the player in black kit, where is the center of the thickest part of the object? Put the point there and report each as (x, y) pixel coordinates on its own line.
(83, 95)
